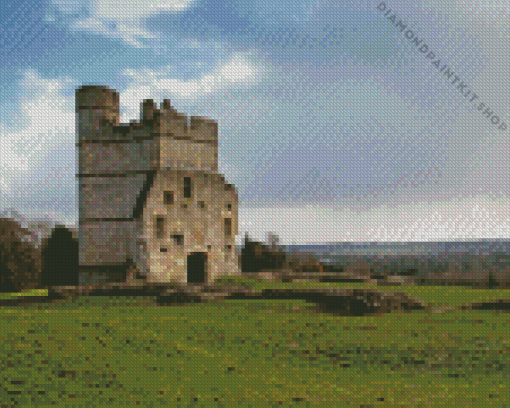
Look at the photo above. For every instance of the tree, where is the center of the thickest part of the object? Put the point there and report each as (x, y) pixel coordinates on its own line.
(20, 261)
(257, 257)
(272, 239)
(60, 258)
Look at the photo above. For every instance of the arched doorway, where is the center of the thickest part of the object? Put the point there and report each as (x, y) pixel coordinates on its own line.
(197, 262)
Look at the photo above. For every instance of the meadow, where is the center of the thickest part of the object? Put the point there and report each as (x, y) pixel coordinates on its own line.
(128, 351)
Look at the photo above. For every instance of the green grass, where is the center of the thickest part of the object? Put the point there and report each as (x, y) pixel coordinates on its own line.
(33, 292)
(98, 351)
(437, 295)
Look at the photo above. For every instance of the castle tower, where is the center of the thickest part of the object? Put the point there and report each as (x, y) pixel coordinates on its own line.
(150, 196)
(95, 106)
(107, 192)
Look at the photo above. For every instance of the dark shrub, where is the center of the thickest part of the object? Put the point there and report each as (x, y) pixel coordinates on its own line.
(20, 261)
(409, 272)
(256, 257)
(60, 258)
(304, 263)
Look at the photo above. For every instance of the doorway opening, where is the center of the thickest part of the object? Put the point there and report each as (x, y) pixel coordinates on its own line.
(197, 262)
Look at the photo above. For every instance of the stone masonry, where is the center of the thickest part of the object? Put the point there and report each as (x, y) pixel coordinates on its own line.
(151, 200)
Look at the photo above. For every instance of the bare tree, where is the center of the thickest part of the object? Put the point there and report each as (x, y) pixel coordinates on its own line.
(20, 261)
(272, 239)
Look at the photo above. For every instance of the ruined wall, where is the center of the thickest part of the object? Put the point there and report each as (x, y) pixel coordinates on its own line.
(186, 154)
(199, 219)
(119, 165)
(162, 138)
(183, 145)
(116, 157)
(113, 170)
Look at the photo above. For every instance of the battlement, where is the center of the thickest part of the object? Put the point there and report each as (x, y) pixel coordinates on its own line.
(203, 128)
(149, 110)
(171, 122)
(102, 101)
(195, 128)
(162, 138)
(90, 96)
(97, 108)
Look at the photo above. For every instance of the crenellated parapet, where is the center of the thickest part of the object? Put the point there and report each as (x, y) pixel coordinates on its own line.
(167, 121)
(98, 110)
(97, 107)
(203, 129)
(103, 100)
(162, 138)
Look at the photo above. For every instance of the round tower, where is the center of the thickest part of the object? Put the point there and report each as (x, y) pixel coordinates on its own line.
(95, 106)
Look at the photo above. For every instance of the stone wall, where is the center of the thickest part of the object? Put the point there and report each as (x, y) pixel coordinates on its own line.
(199, 219)
(119, 164)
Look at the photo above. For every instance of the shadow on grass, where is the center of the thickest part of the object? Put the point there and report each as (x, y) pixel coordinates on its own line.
(334, 301)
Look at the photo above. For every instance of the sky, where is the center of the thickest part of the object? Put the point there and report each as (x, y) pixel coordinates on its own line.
(333, 124)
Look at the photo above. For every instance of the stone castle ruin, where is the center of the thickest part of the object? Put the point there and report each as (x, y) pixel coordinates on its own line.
(151, 201)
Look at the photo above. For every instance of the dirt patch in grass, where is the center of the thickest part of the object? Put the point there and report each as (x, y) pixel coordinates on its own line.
(345, 302)
(342, 302)
(497, 304)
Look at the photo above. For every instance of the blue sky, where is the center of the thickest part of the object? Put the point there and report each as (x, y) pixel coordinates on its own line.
(332, 124)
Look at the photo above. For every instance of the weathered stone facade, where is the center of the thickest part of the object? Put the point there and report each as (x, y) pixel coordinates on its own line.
(151, 200)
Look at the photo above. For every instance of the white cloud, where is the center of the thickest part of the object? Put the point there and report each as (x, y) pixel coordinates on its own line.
(116, 19)
(239, 71)
(69, 6)
(473, 218)
(135, 9)
(126, 32)
(51, 120)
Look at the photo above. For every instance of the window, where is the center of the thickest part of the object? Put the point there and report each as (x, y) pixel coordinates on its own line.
(228, 226)
(179, 239)
(229, 207)
(201, 204)
(187, 187)
(162, 249)
(160, 227)
(168, 197)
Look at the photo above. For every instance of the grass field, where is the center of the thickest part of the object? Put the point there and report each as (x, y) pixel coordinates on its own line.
(126, 351)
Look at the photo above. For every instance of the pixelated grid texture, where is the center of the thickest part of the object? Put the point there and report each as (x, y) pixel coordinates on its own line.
(157, 135)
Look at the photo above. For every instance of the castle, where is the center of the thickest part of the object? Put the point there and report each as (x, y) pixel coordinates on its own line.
(151, 201)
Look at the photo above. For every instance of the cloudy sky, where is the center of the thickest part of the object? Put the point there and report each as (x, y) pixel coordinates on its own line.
(334, 125)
